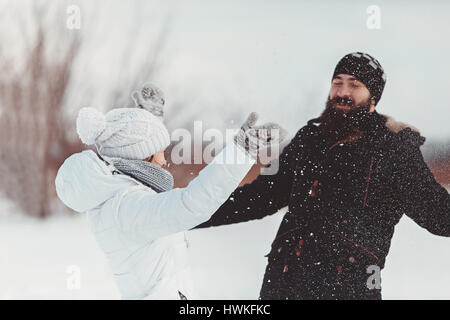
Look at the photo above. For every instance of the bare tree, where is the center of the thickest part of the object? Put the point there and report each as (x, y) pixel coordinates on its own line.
(33, 142)
(35, 133)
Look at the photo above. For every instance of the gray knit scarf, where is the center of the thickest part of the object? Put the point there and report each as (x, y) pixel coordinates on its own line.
(145, 172)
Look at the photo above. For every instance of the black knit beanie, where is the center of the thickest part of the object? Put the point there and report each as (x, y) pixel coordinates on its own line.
(366, 69)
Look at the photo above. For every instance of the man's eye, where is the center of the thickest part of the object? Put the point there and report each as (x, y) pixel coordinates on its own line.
(338, 83)
(355, 86)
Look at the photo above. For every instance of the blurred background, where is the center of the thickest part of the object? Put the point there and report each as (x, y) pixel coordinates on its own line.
(216, 61)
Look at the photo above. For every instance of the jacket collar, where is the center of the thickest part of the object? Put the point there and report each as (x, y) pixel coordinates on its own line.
(382, 128)
(381, 119)
(397, 126)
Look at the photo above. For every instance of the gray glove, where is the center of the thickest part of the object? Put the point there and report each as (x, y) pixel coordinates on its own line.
(254, 138)
(150, 98)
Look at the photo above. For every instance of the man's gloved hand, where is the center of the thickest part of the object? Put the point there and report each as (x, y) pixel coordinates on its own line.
(254, 138)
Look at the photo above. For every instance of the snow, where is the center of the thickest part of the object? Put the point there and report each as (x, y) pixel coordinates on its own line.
(35, 257)
(237, 61)
(228, 262)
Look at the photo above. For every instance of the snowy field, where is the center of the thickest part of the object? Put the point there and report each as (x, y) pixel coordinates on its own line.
(228, 262)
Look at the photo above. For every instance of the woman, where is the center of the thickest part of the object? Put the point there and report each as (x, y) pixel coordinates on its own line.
(138, 220)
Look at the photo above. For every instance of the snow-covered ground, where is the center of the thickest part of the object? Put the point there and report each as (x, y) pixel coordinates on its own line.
(228, 262)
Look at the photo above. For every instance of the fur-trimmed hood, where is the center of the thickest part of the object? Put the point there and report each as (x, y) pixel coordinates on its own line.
(404, 132)
(401, 130)
(397, 126)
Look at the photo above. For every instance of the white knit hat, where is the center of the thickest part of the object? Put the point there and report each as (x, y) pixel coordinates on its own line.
(127, 133)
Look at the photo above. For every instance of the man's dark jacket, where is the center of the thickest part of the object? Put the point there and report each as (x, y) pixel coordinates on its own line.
(344, 201)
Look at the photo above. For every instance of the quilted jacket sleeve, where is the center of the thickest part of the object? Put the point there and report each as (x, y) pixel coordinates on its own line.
(424, 200)
(146, 215)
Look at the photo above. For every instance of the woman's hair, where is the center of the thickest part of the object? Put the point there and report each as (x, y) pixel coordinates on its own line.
(149, 159)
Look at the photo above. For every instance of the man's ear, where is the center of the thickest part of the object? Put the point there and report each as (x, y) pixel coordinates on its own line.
(372, 105)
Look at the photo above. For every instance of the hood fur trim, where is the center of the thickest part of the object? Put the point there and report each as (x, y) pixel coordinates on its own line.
(397, 126)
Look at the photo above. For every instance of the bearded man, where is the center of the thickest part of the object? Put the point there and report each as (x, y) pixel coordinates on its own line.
(347, 178)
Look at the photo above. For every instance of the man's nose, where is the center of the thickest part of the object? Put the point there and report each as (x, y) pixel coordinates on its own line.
(344, 92)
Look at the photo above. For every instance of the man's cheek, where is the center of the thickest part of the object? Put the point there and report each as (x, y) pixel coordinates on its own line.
(333, 94)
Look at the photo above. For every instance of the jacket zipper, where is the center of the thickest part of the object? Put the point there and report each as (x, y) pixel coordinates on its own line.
(368, 182)
(373, 255)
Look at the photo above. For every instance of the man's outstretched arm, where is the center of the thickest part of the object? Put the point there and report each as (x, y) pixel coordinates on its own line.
(424, 199)
(264, 196)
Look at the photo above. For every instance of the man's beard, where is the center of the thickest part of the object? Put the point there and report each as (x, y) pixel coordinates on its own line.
(338, 124)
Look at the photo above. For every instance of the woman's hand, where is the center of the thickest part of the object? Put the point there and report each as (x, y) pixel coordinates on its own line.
(254, 138)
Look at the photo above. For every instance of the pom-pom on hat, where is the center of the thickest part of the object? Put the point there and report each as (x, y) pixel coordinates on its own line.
(127, 133)
(149, 97)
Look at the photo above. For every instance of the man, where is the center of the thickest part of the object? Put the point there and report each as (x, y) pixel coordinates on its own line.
(347, 178)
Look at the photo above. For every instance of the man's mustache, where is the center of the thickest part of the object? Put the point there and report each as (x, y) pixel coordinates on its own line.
(342, 101)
